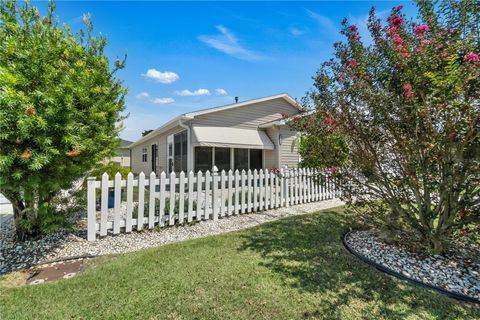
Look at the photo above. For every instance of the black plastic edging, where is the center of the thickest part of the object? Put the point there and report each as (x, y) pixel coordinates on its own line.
(457, 296)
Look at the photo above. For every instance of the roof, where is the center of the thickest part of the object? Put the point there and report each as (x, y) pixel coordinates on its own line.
(190, 115)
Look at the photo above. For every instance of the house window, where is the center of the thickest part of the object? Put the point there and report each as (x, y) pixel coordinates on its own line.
(203, 158)
(222, 158)
(241, 159)
(256, 159)
(144, 154)
(180, 150)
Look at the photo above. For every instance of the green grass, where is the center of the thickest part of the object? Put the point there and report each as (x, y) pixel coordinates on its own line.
(294, 268)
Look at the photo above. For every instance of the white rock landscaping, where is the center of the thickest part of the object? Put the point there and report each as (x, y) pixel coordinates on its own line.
(456, 273)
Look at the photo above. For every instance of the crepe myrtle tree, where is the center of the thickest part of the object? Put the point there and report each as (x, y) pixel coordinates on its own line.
(60, 106)
(408, 105)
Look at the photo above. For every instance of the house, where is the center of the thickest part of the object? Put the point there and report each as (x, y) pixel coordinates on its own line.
(244, 135)
(122, 154)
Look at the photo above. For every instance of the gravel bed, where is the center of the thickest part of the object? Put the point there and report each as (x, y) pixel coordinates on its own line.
(63, 244)
(454, 273)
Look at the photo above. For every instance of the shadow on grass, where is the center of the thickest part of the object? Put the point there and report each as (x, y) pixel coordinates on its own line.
(308, 254)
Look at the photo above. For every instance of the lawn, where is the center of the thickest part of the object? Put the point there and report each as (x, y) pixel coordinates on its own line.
(294, 268)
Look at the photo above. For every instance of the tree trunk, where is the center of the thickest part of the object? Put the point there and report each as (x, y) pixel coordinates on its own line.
(437, 245)
(26, 225)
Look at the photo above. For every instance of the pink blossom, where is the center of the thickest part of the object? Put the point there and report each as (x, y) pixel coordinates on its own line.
(397, 39)
(397, 9)
(397, 21)
(392, 30)
(407, 86)
(471, 57)
(355, 37)
(353, 28)
(366, 77)
(419, 49)
(405, 54)
(333, 168)
(444, 55)
(353, 63)
(399, 47)
(408, 94)
(328, 120)
(420, 30)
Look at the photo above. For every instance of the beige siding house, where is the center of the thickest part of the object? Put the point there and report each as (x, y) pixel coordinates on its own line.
(244, 135)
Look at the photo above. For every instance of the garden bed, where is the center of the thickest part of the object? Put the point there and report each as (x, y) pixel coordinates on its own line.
(456, 274)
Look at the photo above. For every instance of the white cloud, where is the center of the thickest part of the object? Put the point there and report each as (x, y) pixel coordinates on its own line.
(187, 93)
(297, 32)
(325, 22)
(166, 77)
(163, 100)
(227, 43)
(220, 91)
(143, 95)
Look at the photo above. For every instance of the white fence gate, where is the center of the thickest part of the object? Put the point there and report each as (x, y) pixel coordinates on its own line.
(202, 196)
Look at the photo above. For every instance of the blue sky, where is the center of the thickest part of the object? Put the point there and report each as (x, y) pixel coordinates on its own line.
(184, 56)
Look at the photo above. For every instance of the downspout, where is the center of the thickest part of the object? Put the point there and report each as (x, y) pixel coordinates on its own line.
(189, 143)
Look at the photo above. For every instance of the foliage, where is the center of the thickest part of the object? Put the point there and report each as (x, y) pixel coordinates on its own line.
(60, 106)
(145, 132)
(321, 145)
(408, 105)
(111, 168)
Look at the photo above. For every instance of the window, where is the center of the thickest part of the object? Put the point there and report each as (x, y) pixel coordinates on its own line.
(180, 150)
(144, 154)
(256, 159)
(203, 158)
(222, 158)
(240, 159)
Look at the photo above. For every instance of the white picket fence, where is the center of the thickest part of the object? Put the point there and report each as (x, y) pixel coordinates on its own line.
(211, 195)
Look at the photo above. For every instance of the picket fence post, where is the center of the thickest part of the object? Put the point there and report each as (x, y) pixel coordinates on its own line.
(207, 195)
(198, 212)
(91, 209)
(128, 223)
(181, 201)
(190, 197)
(141, 200)
(161, 214)
(104, 205)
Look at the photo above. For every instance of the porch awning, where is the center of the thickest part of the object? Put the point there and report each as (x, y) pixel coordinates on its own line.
(231, 138)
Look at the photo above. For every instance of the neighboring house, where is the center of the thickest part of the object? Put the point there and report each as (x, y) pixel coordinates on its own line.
(122, 154)
(244, 135)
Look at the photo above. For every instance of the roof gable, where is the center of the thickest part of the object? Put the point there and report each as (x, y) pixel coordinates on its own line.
(192, 115)
(284, 96)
